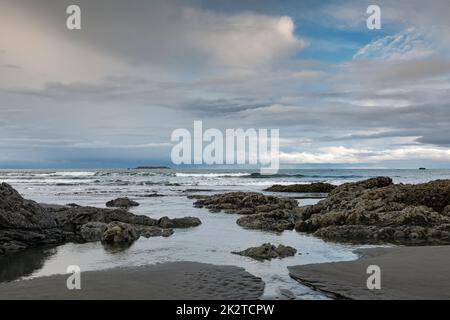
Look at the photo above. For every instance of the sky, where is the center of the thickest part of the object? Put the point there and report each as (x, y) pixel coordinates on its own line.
(111, 94)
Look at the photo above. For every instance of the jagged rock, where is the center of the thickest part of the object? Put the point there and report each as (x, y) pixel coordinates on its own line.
(267, 251)
(376, 210)
(124, 202)
(186, 222)
(244, 203)
(276, 220)
(71, 218)
(18, 213)
(119, 232)
(25, 223)
(318, 187)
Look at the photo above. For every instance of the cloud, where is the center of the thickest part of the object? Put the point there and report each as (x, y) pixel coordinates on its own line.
(242, 40)
(344, 155)
(165, 39)
(138, 70)
(405, 45)
(11, 66)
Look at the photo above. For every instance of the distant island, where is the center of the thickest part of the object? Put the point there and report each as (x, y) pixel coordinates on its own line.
(150, 167)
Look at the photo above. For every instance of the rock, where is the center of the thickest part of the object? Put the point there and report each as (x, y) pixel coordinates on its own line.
(267, 251)
(260, 211)
(72, 205)
(92, 231)
(18, 213)
(186, 222)
(286, 294)
(446, 211)
(122, 203)
(276, 220)
(377, 211)
(119, 232)
(24, 223)
(318, 187)
(244, 203)
(148, 232)
(153, 195)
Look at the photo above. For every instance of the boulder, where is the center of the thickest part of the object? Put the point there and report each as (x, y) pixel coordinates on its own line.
(276, 220)
(244, 203)
(24, 223)
(318, 187)
(119, 232)
(153, 231)
(92, 231)
(186, 222)
(124, 202)
(268, 251)
(18, 213)
(71, 218)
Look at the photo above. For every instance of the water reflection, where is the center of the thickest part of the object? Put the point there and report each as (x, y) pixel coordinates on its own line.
(24, 263)
(116, 247)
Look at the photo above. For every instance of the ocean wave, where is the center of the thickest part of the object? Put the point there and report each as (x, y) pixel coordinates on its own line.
(75, 173)
(212, 175)
(334, 177)
(257, 175)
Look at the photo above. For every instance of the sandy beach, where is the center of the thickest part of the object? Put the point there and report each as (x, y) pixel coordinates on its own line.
(166, 281)
(406, 273)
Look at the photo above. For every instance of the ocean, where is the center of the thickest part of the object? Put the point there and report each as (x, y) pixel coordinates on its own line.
(212, 242)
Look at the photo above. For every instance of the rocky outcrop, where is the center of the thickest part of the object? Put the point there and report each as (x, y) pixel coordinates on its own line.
(259, 211)
(268, 251)
(244, 203)
(369, 211)
(92, 231)
(25, 223)
(186, 222)
(376, 211)
(154, 231)
(276, 220)
(318, 187)
(122, 203)
(119, 232)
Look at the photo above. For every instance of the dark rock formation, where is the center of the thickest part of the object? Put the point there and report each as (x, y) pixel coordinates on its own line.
(268, 251)
(186, 222)
(318, 187)
(119, 232)
(122, 203)
(244, 203)
(153, 231)
(376, 210)
(369, 211)
(151, 167)
(276, 220)
(259, 211)
(92, 231)
(25, 223)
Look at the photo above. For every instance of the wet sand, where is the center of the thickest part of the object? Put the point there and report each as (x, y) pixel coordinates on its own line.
(175, 280)
(406, 273)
